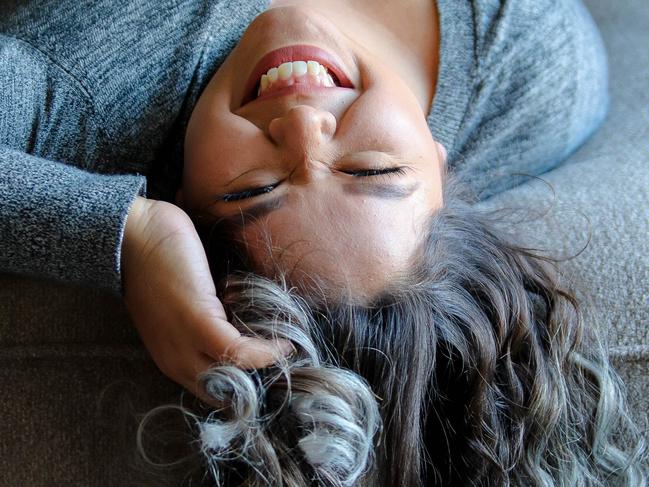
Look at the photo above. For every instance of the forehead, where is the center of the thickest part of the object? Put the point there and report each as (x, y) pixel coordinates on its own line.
(350, 242)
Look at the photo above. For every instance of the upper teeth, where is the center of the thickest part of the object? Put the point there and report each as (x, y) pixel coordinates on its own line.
(291, 71)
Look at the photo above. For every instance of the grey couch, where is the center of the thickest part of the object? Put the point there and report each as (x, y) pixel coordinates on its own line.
(75, 377)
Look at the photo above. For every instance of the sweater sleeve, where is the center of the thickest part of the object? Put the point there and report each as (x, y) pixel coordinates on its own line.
(59, 217)
(61, 222)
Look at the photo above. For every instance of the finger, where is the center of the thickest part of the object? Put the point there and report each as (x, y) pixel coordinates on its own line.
(255, 353)
(215, 337)
(223, 342)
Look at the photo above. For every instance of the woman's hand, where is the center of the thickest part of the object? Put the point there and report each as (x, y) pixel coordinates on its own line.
(171, 297)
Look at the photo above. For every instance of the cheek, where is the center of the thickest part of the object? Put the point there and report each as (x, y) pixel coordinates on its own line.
(217, 149)
(389, 120)
(217, 136)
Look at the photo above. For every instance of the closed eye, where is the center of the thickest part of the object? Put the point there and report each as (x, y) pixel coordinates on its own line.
(377, 172)
(248, 193)
(251, 193)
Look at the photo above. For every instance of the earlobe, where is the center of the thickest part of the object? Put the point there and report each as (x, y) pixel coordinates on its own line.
(442, 154)
(442, 150)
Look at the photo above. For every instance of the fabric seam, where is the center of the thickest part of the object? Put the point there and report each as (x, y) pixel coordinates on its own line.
(76, 82)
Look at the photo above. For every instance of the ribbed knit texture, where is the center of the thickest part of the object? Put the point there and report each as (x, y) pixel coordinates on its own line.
(90, 90)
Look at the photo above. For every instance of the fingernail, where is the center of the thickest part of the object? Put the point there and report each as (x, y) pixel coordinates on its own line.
(287, 348)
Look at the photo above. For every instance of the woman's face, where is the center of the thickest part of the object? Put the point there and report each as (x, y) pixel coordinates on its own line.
(341, 178)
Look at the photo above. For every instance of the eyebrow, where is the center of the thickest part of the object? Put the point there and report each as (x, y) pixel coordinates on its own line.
(267, 206)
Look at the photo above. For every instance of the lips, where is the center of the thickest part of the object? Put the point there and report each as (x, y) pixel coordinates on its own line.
(295, 53)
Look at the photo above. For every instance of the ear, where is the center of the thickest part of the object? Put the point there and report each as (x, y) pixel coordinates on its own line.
(442, 153)
(179, 198)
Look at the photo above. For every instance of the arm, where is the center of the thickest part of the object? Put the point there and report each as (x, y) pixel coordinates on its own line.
(60, 222)
(67, 223)
(171, 297)
(58, 219)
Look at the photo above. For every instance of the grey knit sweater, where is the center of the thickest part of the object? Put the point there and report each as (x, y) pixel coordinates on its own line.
(95, 97)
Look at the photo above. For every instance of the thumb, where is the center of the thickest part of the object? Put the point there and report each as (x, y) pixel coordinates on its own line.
(225, 343)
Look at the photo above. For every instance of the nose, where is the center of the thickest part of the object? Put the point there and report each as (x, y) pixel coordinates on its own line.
(303, 130)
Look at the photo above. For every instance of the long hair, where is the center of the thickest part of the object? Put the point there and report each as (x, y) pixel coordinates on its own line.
(476, 368)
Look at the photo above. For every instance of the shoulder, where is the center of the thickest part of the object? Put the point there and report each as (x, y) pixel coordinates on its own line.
(531, 34)
(43, 109)
(540, 88)
(95, 40)
(135, 59)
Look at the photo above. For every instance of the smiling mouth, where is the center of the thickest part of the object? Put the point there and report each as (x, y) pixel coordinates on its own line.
(310, 73)
(295, 69)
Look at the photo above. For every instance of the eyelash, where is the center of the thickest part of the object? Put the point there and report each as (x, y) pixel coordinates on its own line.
(242, 195)
(251, 193)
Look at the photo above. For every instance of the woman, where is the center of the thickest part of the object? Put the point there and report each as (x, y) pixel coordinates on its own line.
(491, 342)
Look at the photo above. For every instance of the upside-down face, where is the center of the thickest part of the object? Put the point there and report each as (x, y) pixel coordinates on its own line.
(321, 145)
